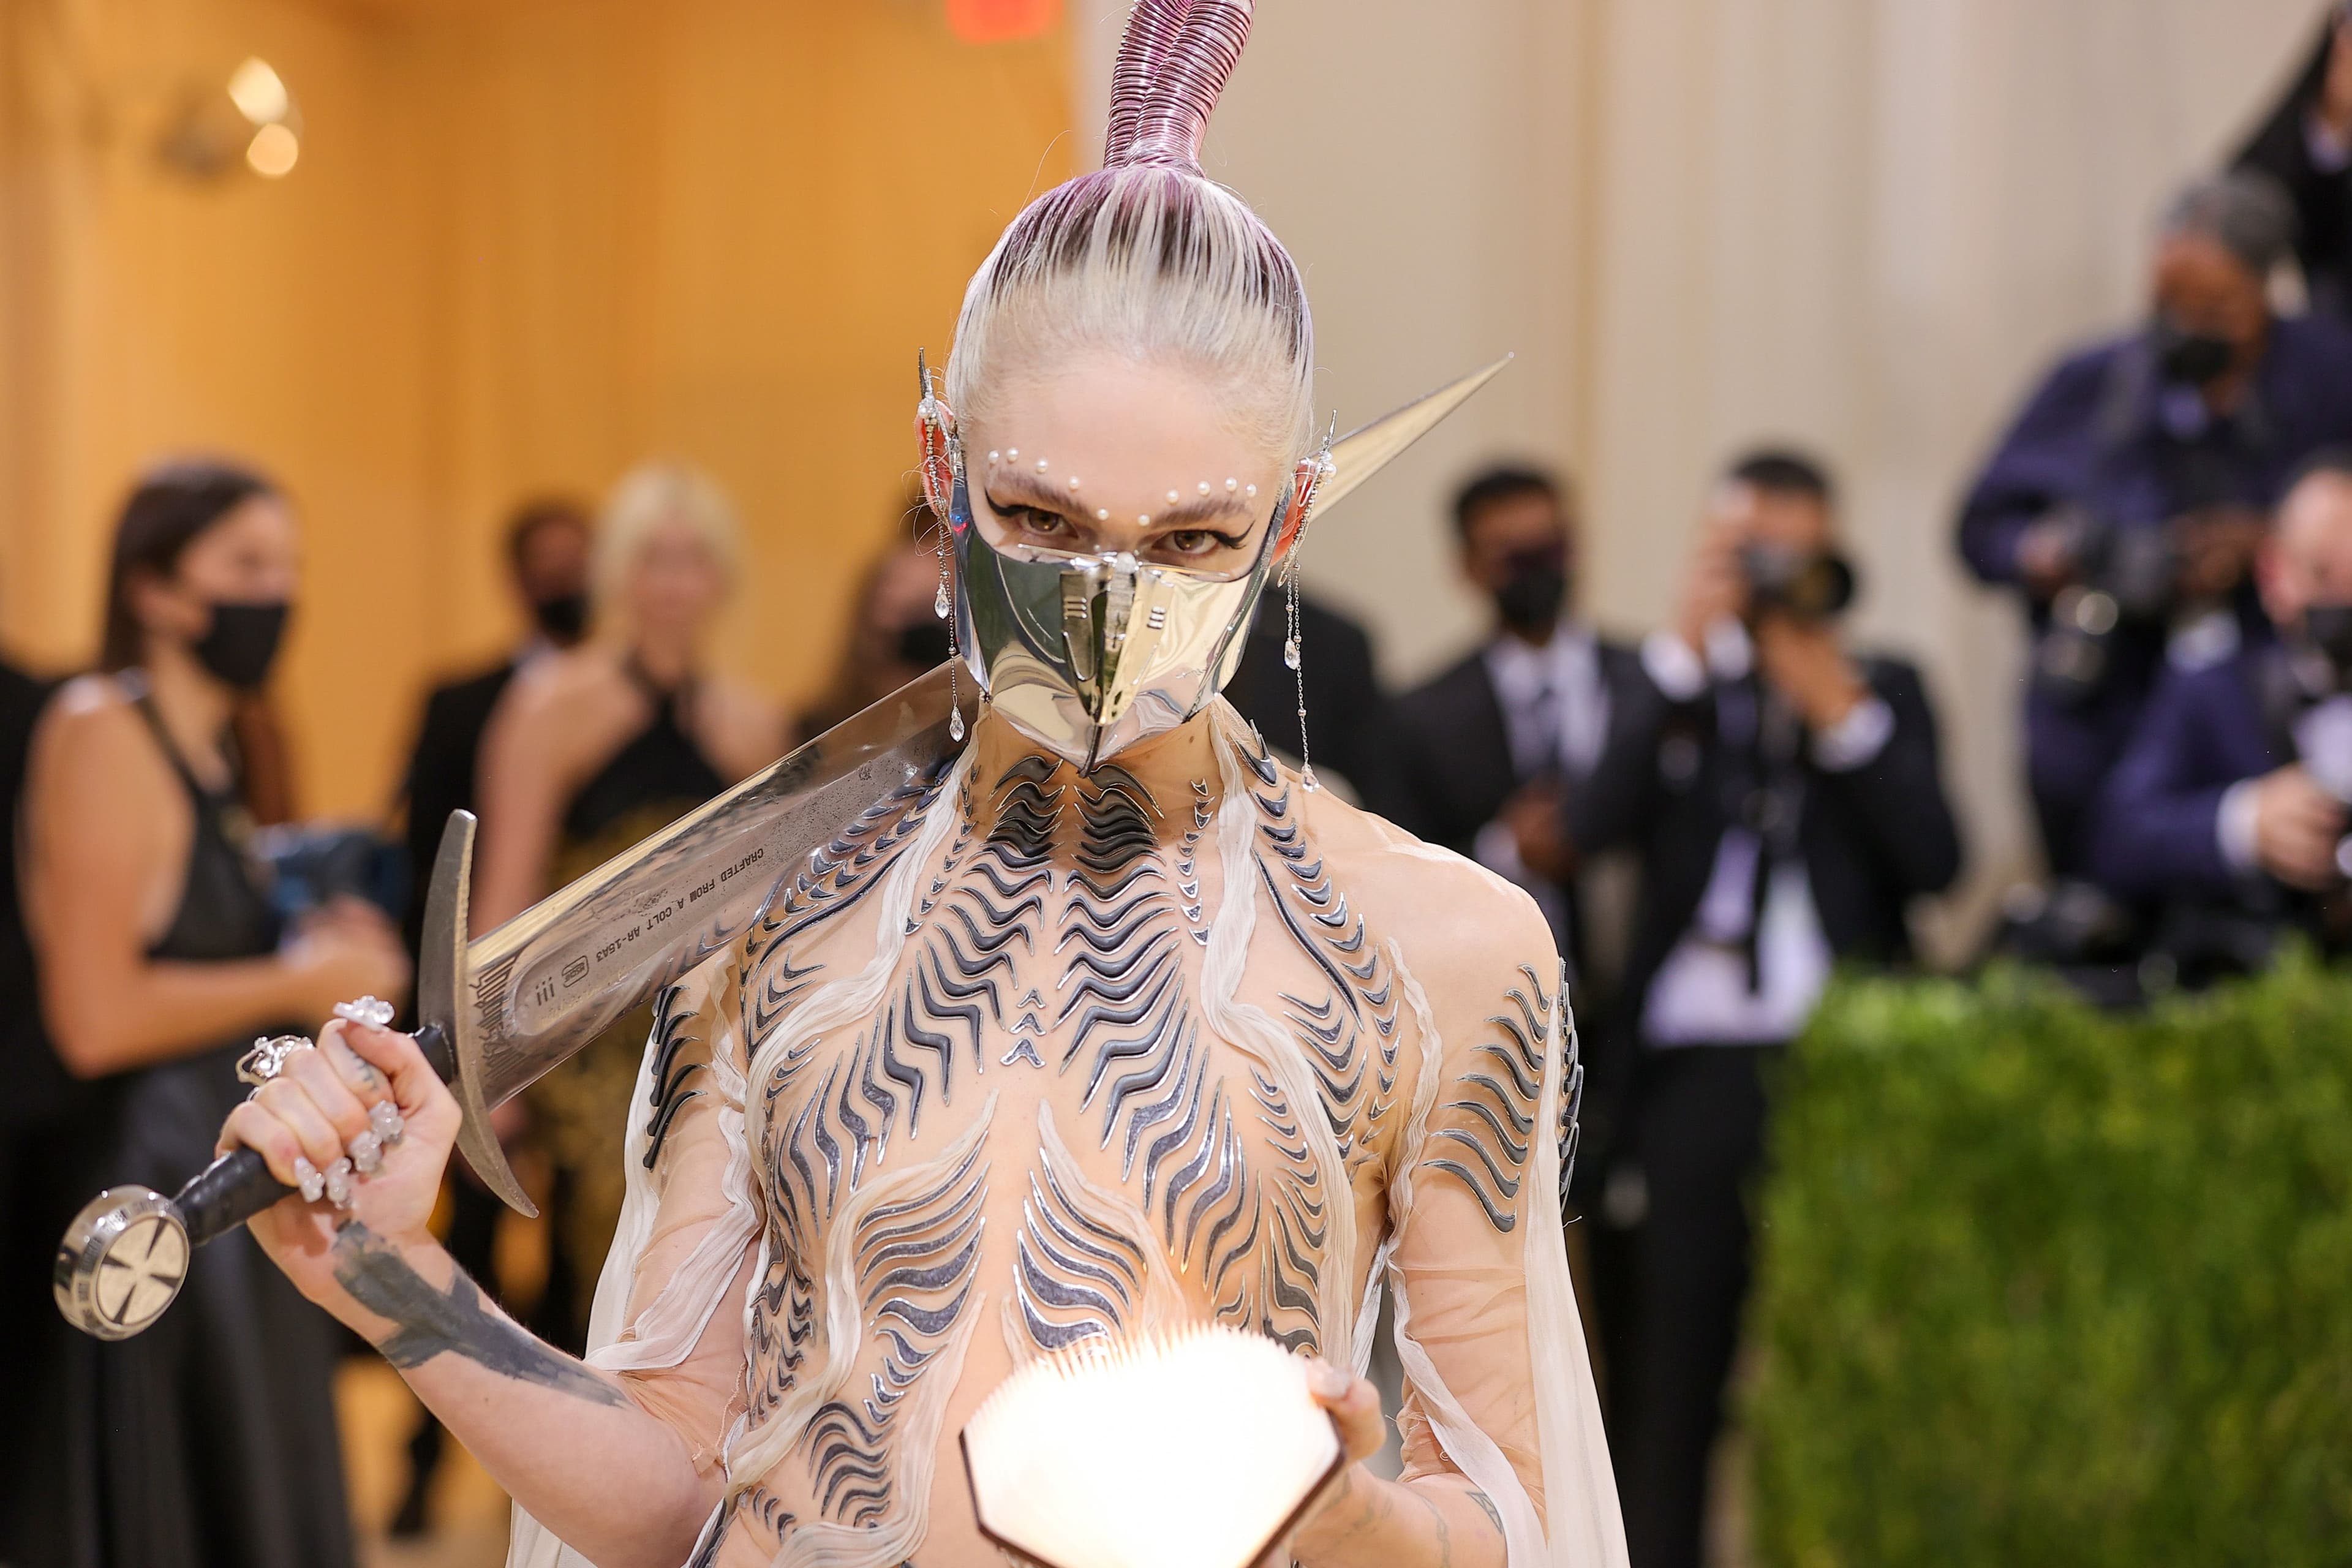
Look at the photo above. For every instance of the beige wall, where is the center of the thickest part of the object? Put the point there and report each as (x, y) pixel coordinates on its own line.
(1860, 223)
(528, 242)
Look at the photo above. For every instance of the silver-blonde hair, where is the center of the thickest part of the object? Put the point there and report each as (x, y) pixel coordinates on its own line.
(1148, 257)
(650, 495)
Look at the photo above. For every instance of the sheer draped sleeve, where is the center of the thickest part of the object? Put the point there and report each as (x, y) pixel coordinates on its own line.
(668, 1316)
(1499, 1389)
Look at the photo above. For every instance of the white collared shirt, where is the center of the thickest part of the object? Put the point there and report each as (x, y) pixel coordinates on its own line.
(1700, 994)
(1555, 717)
(1555, 705)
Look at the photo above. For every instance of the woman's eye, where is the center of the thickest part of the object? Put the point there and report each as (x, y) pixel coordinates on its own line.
(1195, 542)
(1032, 521)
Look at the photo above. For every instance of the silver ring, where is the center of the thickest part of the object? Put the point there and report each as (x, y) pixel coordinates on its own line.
(370, 1011)
(267, 1058)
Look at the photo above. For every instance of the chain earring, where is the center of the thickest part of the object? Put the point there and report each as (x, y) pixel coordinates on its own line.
(1297, 666)
(940, 461)
(1309, 480)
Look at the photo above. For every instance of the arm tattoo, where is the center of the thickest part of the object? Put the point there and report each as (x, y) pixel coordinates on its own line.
(456, 1320)
(1444, 1532)
(1487, 1505)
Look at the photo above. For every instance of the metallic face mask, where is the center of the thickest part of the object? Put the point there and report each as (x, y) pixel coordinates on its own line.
(1088, 655)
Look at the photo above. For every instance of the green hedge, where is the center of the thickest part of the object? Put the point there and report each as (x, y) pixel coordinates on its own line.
(2041, 1286)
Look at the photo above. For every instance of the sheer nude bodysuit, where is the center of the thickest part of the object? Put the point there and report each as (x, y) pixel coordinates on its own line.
(1029, 1055)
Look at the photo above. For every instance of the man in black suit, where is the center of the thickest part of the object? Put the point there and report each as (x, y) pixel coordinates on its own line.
(547, 564)
(547, 551)
(1784, 799)
(1489, 751)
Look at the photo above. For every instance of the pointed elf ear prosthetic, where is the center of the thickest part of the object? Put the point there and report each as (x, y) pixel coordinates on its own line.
(1306, 482)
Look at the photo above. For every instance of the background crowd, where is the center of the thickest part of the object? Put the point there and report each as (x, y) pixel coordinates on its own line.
(1715, 813)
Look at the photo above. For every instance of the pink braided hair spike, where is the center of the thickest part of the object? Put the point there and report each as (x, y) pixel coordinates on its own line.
(1173, 64)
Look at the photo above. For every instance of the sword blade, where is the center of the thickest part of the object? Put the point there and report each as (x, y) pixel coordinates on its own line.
(539, 987)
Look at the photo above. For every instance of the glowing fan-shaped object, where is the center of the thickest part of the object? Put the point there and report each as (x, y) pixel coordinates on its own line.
(1196, 1448)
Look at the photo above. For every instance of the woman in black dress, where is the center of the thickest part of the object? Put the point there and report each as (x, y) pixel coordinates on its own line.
(211, 1438)
(589, 752)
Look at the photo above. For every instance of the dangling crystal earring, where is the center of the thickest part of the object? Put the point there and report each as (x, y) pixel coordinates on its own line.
(1309, 480)
(1297, 667)
(940, 460)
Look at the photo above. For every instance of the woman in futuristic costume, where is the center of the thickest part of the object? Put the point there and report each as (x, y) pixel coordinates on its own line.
(1112, 1022)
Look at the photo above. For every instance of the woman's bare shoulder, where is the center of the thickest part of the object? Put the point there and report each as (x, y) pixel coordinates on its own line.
(92, 724)
(1465, 931)
(95, 769)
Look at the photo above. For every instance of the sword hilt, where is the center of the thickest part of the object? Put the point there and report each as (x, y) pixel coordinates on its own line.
(125, 1256)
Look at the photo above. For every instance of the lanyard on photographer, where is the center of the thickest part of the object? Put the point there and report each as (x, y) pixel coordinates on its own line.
(1764, 795)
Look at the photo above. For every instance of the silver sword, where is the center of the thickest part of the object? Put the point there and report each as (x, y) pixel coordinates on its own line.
(499, 1013)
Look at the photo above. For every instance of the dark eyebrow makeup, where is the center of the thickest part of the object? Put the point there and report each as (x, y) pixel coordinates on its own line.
(1022, 489)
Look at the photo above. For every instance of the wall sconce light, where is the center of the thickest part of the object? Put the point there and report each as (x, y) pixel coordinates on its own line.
(256, 123)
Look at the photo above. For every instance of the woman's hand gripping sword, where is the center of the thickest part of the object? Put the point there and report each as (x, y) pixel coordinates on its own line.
(499, 1013)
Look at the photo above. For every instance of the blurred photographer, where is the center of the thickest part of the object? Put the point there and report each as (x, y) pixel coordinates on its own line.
(1783, 796)
(2125, 503)
(2227, 813)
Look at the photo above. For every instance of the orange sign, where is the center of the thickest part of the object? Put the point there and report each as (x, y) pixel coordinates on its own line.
(1000, 21)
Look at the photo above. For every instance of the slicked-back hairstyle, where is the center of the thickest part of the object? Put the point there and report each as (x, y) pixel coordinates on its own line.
(1502, 482)
(1784, 471)
(1148, 257)
(174, 506)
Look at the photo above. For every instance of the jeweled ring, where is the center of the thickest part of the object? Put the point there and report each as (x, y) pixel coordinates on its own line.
(373, 1011)
(267, 1058)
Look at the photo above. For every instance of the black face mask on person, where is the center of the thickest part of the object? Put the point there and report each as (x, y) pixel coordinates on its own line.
(2187, 358)
(562, 618)
(1533, 590)
(925, 644)
(242, 642)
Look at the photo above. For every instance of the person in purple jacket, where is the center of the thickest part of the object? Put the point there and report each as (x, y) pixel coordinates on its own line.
(2227, 811)
(2125, 502)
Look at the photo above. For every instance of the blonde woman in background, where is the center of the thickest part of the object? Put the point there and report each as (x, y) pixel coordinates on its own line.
(590, 752)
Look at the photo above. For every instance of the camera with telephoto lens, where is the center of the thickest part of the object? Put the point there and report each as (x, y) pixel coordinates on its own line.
(1807, 584)
(2124, 577)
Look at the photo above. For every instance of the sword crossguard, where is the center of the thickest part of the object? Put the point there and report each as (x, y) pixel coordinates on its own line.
(122, 1262)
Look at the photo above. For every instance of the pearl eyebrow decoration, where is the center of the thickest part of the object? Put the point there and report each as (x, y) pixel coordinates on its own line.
(1074, 481)
(1250, 491)
(1144, 521)
(994, 459)
(1233, 485)
(1013, 455)
(1102, 514)
(1175, 496)
(1040, 465)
